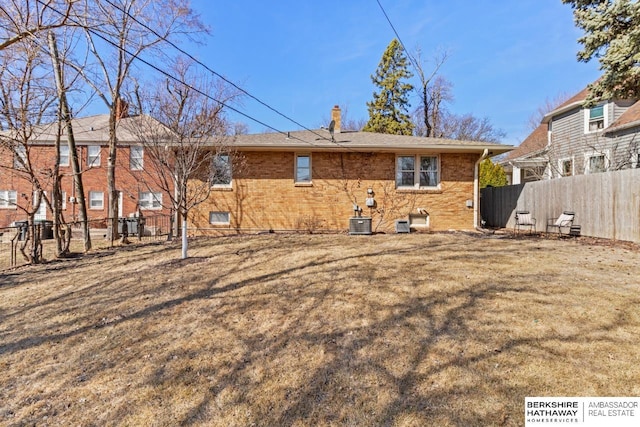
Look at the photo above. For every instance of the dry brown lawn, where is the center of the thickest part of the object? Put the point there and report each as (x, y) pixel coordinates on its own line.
(277, 330)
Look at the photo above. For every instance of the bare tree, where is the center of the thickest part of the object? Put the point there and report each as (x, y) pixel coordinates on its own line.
(64, 115)
(26, 101)
(547, 106)
(117, 35)
(185, 138)
(433, 91)
(22, 19)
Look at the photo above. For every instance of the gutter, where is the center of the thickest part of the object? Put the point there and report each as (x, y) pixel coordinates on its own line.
(476, 188)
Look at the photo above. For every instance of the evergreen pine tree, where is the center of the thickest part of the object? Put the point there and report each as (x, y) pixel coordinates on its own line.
(612, 35)
(492, 175)
(388, 112)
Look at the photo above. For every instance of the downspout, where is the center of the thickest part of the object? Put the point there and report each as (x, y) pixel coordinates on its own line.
(476, 188)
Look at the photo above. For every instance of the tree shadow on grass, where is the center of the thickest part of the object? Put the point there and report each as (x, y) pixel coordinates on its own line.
(416, 359)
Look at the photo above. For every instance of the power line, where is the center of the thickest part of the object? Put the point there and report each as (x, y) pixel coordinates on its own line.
(398, 36)
(172, 77)
(206, 67)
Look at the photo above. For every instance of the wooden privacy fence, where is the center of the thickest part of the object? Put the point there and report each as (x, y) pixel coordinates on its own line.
(606, 204)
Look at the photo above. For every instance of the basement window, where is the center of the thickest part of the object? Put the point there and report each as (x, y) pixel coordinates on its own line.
(219, 218)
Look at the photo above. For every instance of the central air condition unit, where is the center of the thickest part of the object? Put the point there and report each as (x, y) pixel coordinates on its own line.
(359, 225)
(402, 226)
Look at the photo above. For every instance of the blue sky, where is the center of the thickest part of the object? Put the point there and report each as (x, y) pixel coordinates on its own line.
(302, 57)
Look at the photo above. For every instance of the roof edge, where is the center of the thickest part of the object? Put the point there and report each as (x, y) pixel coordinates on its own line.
(547, 117)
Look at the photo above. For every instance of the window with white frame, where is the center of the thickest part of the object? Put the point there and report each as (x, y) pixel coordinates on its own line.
(64, 155)
(93, 155)
(303, 168)
(221, 170)
(417, 171)
(8, 199)
(595, 163)
(566, 167)
(595, 118)
(150, 200)
(41, 213)
(219, 218)
(96, 200)
(136, 157)
(19, 157)
(635, 159)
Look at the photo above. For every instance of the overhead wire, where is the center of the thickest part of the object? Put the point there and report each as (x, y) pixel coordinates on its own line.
(172, 77)
(384, 12)
(206, 67)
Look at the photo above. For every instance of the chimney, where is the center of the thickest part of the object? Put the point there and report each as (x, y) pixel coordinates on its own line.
(122, 109)
(335, 115)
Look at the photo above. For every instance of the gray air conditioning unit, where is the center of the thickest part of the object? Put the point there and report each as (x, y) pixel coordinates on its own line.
(402, 226)
(359, 225)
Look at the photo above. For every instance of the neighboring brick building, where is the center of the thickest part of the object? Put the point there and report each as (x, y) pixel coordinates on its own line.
(92, 135)
(307, 181)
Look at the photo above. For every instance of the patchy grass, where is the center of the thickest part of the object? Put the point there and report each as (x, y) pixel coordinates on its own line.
(407, 330)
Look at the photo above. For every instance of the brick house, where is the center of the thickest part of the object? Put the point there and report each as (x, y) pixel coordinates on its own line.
(91, 136)
(307, 180)
(575, 140)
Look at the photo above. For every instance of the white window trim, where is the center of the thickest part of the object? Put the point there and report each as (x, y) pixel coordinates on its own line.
(101, 199)
(67, 155)
(295, 169)
(153, 195)
(605, 114)
(230, 183)
(97, 159)
(7, 201)
(561, 169)
(227, 222)
(416, 172)
(635, 159)
(591, 154)
(137, 163)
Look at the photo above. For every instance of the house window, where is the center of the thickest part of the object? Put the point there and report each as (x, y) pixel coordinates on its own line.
(303, 168)
(8, 199)
(221, 171)
(150, 200)
(596, 163)
(635, 160)
(218, 218)
(417, 172)
(96, 200)
(64, 155)
(136, 157)
(595, 118)
(566, 167)
(20, 157)
(93, 155)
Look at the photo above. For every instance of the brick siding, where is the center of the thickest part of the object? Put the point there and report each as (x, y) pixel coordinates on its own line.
(264, 195)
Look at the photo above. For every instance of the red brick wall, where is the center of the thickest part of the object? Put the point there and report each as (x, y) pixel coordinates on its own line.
(94, 179)
(264, 196)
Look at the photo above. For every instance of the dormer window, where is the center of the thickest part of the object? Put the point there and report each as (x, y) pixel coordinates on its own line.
(595, 118)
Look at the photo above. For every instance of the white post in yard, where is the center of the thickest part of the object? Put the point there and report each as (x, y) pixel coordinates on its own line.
(184, 238)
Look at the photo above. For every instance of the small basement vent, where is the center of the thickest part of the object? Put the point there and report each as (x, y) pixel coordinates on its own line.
(402, 226)
(359, 225)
